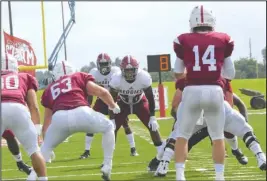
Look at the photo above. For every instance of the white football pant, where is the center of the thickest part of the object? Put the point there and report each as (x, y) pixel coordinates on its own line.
(210, 98)
(81, 119)
(16, 117)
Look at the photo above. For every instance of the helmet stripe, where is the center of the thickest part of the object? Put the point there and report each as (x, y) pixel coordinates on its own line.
(201, 14)
(64, 67)
(6, 62)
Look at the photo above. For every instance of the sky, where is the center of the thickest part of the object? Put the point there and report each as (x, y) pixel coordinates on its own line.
(135, 28)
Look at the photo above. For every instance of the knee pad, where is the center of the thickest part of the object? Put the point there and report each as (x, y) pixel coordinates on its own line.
(170, 144)
(8, 134)
(249, 138)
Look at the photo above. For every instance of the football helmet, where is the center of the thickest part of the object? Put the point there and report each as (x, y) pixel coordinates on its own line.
(62, 68)
(9, 63)
(202, 17)
(129, 68)
(103, 63)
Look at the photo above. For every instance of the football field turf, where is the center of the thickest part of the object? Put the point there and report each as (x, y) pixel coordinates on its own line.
(199, 166)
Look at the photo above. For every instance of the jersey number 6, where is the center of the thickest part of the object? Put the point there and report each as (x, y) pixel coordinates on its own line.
(208, 53)
(57, 88)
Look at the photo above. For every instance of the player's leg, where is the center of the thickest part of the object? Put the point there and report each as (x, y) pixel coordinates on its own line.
(88, 141)
(13, 147)
(90, 121)
(187, 115)
(29, 139)
(215, 118)
(141, 110)
(233, 142)
(237, 125)
(130, 137)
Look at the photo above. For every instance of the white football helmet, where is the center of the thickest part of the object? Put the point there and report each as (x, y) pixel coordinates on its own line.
(201, 16)
(62, 68)
(9, 63)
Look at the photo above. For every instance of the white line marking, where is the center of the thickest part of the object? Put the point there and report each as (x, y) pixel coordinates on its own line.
(89, 165)
(142, 133)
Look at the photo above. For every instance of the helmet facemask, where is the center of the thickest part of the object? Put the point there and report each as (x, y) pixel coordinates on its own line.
(104, 67)
(129, 74)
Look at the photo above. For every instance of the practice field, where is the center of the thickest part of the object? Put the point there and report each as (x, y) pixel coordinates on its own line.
(67, 166)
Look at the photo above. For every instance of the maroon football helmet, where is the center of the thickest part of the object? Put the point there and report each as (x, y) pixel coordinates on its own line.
(129, 68)
(103, 63)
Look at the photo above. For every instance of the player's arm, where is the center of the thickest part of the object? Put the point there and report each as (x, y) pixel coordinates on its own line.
(240, 106)
(176, 99)
(179, 67)
(96, 90)
(150, 97)
(47, 120)
(228, 69)
(229, 92)
(114, 94)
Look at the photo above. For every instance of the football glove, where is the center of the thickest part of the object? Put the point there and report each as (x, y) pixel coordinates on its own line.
(153, 124)
(116, 109)
(38, 128)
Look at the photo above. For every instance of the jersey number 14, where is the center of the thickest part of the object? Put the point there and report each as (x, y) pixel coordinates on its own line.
(211, 61)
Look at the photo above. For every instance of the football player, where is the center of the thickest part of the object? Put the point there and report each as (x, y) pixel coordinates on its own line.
(133, 86)
(13, 147)
(206, 55)
(102, 75)
(18, 95)
(67, 112)
(234, 122)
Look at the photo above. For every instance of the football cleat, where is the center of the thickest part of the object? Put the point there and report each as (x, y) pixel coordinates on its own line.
(32, 176)
(241, 158)
(86, 154)
(162, 169)
(134, 152)
(153, 165)
(106, 172)
(23, 167)
(261, 159)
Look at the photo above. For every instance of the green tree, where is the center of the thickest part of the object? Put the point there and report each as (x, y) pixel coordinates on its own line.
(263, 52)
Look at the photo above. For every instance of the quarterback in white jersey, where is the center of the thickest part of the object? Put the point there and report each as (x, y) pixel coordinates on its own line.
(102, 74)
(133, 88)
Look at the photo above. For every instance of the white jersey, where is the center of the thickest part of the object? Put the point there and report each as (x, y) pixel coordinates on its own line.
(103, 80)
(131, 93)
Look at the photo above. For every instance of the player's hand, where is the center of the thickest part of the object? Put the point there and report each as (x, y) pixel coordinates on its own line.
(113, 122)
(38, 128)
(153, 124)
(116, 109)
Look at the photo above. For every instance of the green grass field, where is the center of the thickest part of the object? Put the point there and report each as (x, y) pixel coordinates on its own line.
(67, 166)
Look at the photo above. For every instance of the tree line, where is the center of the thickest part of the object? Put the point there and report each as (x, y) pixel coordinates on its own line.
(246, 68)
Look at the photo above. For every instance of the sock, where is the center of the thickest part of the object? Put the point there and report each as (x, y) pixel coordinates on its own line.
(108, 144)
(131, 141)
(160, 150)
(18, 157)
(219, 170)
(88, 142)
(233, 142)
(168, 154)
(255, 147)
(180, 171)
(43, 178)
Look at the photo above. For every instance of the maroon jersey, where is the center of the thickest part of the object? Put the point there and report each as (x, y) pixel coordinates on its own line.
(67, 93)
(15, 86)
(203, 55)
(181, 83)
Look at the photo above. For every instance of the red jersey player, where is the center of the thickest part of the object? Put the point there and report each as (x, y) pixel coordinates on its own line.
(67, 112)
(206, 56)
(18, 95)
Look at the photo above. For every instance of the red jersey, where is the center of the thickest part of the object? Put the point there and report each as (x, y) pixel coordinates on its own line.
(15, 86)
(67, 93)
(181, 84)
(203, 55)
